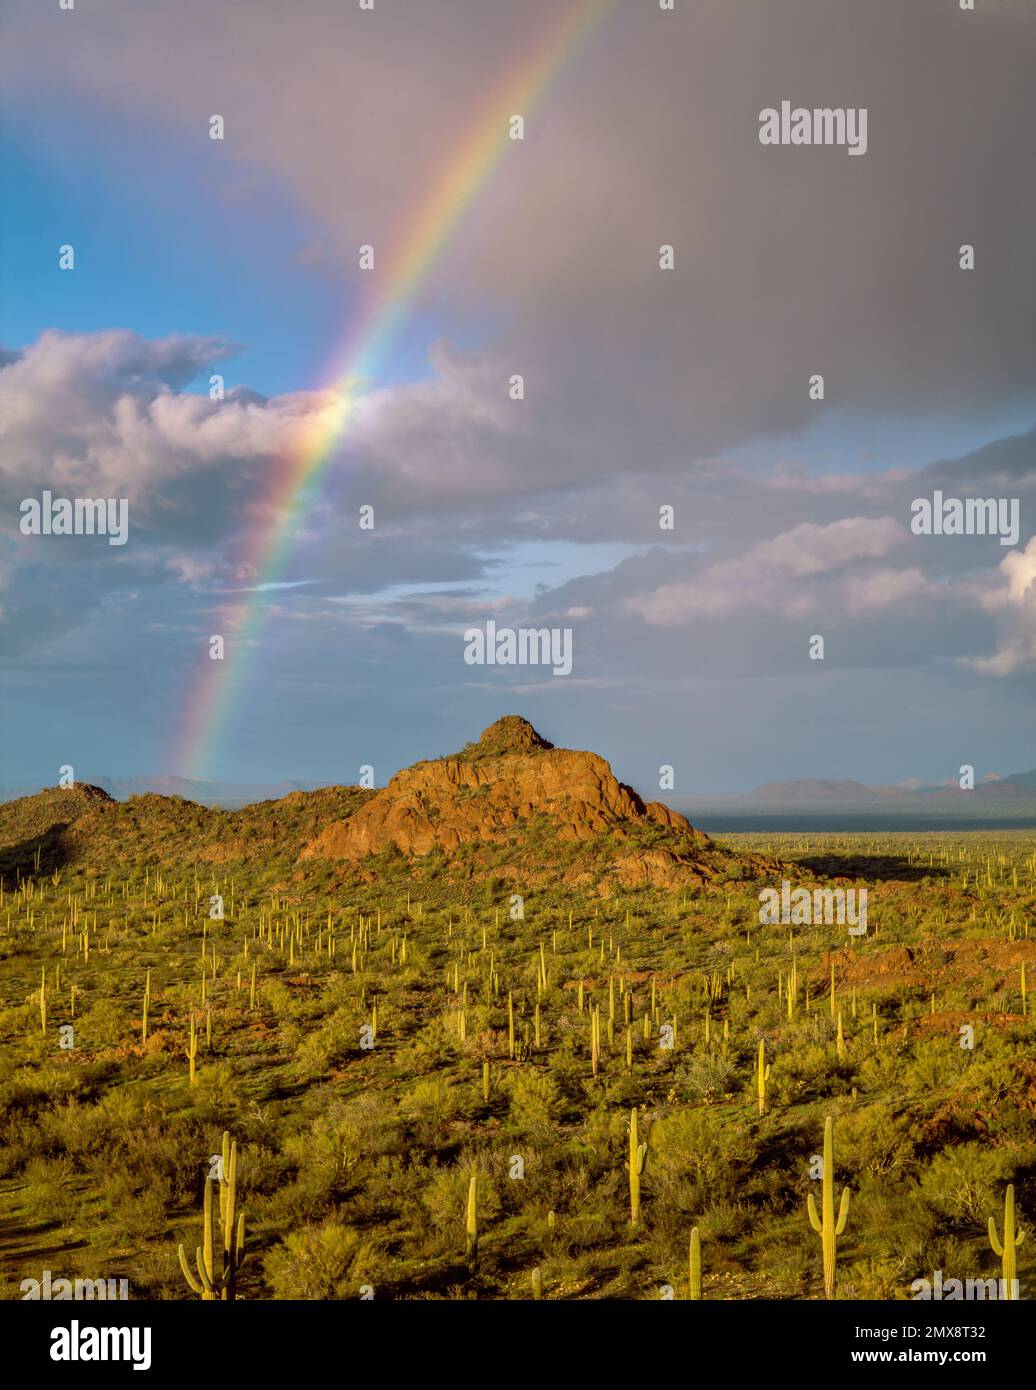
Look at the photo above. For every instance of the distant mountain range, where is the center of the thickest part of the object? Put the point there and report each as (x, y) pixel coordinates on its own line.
(816, 803)
(824, 792)
(230, 795)
(1012, 794)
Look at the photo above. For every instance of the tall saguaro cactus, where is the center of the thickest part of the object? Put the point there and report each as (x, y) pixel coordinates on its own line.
(147, 1004)
(472, 1229)
(638, 1157)
(762, 1075)
(192, 1052)
(827, 1228)
(1007, 1248)
(222, 1251)
(694, 1291)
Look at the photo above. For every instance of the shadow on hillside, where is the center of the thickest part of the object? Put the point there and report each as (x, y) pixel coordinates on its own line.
(875, 868)
(20, 859)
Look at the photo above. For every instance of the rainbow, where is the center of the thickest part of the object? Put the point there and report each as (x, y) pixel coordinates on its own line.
(293, 485)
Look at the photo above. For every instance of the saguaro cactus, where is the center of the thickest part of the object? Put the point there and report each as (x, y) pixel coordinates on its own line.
(1008, 1247)
(827, 1228)
(222, 1251)
(472, 1232)
(695, 1265)
(762, 1075)
(638, 1157)
(192, 1052)
(147, 1002)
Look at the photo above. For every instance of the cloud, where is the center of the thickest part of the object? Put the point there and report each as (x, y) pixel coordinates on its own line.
(788, 261)
(105, 414)
(641, 385)
(886, 590)
(776, 575)
(1013, 606)
(458, 473)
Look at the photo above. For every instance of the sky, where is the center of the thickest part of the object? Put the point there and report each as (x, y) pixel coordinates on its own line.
(644, 388)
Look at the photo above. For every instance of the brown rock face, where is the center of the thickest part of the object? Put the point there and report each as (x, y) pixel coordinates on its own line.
(509, 807)
(489, 791)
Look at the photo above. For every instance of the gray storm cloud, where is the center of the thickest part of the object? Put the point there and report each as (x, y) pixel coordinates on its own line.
(788, 261)
(641, 383)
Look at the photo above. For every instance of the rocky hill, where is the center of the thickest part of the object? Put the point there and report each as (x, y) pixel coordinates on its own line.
(510, 806)
(514, 805)
(83, 824)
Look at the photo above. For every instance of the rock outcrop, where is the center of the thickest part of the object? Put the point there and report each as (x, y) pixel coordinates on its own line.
(509, 807)
(513, 788)
(510, 776)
